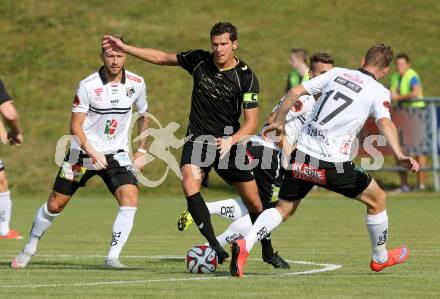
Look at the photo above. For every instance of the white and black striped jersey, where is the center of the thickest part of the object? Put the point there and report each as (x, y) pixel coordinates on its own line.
(348, 98)
(108, 109)
(295, 119)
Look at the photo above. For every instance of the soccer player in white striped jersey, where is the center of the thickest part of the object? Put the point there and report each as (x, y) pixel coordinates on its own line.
(323, 155)
(269, 172)
(100, 124)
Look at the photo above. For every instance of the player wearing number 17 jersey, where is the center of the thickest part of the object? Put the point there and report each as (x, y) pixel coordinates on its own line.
(348, 98)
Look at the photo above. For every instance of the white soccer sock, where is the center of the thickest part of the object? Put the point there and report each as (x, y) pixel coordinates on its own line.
(264, 225)
(377, 226)
(236, 230)
(121, 230)
(42, 222)
(5, 212)
(228, 208)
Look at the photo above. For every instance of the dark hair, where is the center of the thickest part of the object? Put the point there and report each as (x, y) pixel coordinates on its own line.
(117, 36)
(301, 52)
(320, 57)
(225, 27)
(402, 55)
(379, 55)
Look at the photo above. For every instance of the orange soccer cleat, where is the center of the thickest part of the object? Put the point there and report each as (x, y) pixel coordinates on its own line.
(395, 257)
(238, 258)
(12, 235)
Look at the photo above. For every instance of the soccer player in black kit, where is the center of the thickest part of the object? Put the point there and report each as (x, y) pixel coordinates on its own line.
(223, 85)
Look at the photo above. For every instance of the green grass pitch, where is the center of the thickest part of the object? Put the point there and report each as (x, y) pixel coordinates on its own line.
(327, 229)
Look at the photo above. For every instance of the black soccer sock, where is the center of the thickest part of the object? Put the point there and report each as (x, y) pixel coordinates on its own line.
(254, 216)
(200, 213)
(266, 246)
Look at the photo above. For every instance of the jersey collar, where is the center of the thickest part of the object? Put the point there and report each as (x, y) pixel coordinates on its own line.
(367, 73)
(104, 80)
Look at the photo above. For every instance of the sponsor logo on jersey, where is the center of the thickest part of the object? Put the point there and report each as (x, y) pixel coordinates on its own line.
(353, 78)
(110, 127)
(387, 105)
(244, 68)
(297, 106)
(129, 91)
(98, 91)
(346, 146)
(309, 173)
(353, 86)
(133, 78)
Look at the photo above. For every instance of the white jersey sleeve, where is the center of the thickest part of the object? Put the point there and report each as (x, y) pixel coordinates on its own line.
(381, 105)
(81, 100)
(317, 84)
(141, 102)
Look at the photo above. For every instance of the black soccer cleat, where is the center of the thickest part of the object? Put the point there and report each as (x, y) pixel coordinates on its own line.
(276, 261)
(221, 254)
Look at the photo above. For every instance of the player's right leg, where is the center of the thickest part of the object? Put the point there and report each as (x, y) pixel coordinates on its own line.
(6, 208)
(232, 209)
(43, 220)
(191, 185)
(267, 221)
(377, 225)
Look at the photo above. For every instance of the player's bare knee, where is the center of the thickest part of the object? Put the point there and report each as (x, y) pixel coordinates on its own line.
(379, 200)
(255, 206)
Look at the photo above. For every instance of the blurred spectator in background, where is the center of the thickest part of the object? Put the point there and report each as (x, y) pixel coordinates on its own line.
(406, 86)
(300, 70)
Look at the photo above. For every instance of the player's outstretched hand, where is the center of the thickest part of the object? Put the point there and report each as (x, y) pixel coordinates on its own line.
(111, 43)
(409, 163)
(275, 126)
(224, 145)
(16, 139)
(139, 160)
(98, 159)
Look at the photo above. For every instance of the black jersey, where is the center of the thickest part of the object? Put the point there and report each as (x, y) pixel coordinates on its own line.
(4, 96)
(218, 95)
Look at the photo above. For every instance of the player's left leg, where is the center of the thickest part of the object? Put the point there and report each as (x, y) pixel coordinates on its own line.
(377, 225)
(127, 197)
(5, 208)
(421, 176)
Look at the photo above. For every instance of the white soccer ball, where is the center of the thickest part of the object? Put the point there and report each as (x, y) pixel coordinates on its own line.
(201, 259)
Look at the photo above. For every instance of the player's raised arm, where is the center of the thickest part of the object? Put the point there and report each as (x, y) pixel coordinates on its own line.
(388, 129)
(112, 43)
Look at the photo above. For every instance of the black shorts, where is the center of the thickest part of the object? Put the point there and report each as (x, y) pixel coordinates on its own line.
(267, 171)
(234, 167)
(74, 173)
(304, 173)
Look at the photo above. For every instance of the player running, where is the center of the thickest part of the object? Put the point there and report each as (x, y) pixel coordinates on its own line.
(223, 85)
(10, 114)
(100, 123)
(348, 98)
(268, 172)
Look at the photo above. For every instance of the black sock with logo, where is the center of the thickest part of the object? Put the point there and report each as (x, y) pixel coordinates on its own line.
(200, 213)
(266, 246)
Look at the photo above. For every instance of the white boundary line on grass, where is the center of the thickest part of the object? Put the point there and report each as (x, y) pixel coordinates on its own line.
(326, 268)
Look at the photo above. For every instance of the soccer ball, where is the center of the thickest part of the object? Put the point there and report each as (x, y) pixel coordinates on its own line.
(201, 259)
